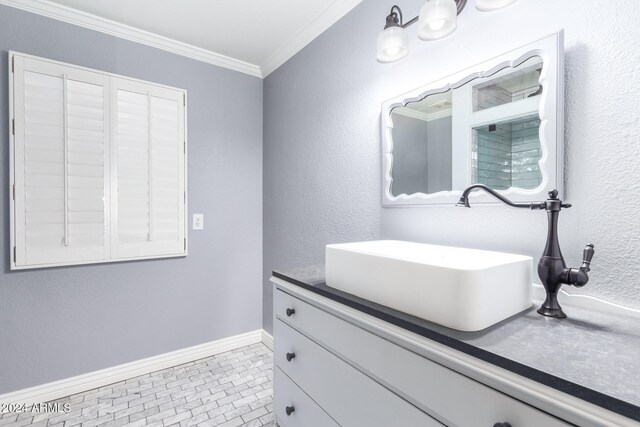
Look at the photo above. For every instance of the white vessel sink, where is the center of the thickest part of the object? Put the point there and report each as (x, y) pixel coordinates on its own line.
(464, 289)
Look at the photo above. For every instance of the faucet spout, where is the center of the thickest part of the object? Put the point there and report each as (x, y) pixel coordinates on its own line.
(464, 199)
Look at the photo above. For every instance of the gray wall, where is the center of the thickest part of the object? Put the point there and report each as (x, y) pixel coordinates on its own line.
(56, 323)
(322, 162)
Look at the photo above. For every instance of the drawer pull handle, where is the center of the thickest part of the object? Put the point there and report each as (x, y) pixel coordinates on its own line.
(291, 356)
(291, 312)
(502, 425)
(289, 410)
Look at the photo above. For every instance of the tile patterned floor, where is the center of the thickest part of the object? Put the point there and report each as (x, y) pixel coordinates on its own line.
(228, 390)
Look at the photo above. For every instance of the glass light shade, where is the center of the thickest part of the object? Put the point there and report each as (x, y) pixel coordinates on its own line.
(489, 5)
(438, 18)
(392, 44)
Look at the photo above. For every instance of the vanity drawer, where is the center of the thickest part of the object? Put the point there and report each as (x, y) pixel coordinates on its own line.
(306, 413)
(443, 393)
(349, 396)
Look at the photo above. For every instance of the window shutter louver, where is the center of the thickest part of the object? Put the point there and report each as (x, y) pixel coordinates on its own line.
(61, 147)
(97, 166)
(150, 171)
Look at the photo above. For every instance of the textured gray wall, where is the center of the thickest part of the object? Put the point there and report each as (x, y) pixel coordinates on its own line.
(322, 161)
(55, 323)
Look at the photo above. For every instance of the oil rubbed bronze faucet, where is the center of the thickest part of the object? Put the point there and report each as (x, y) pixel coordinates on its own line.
(552, 270)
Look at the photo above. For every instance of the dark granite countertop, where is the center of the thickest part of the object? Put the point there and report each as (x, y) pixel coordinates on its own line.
(593, 355)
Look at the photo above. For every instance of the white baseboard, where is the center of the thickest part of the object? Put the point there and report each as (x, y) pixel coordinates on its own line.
(66, 387)
(267, 339)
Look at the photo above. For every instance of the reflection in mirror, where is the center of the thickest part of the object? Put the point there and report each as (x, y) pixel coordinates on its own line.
(520, 83)
(506, 154)
(485, 131)
(422, 145)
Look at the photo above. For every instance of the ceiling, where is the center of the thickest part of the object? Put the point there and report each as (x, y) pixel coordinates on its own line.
(432, 107)
(435, 103)
(257, 35)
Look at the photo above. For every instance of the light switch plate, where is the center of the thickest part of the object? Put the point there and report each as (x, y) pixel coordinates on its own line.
(198, 221)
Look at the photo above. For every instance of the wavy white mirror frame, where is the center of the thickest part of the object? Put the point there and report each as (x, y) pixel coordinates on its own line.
(551, 114)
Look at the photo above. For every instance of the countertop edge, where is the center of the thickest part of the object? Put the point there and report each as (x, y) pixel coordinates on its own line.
(597, 398)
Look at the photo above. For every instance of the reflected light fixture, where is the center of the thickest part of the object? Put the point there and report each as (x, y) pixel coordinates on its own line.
(437, 19)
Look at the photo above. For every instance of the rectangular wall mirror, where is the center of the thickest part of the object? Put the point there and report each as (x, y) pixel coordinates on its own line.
(499, 123)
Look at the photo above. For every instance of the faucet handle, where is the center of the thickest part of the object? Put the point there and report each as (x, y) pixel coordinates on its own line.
(587, 254)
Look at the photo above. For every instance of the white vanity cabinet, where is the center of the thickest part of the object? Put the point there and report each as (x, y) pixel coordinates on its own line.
(332, 371)
(349, 396)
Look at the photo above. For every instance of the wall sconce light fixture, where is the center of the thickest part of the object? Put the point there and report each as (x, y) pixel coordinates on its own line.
(437, 19)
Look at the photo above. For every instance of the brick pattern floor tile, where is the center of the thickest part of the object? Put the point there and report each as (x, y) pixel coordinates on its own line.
(228, 389)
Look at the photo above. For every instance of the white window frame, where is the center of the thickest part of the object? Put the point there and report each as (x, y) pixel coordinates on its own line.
(110, 171)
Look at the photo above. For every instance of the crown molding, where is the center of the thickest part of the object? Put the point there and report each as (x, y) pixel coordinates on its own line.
(408, 112)
(325, 19)
(107, 26)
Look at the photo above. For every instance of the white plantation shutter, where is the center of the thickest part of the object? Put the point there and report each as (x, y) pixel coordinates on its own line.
(61, 143)
(148, 124)
(97, 166)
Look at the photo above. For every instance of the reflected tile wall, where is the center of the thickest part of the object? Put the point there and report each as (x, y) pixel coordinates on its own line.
(507, 155)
